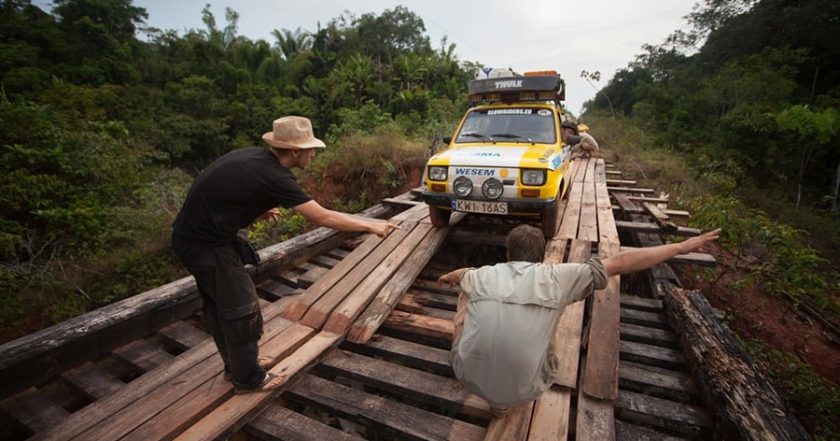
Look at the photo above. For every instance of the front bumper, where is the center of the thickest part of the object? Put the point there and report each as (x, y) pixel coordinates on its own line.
(514, 205)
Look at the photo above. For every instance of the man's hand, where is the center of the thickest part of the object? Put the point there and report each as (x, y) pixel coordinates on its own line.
(696, 242)
(382, 229)
(271, 215)
(452, 278)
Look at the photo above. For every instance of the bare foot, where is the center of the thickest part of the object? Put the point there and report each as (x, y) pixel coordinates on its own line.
(270, 382)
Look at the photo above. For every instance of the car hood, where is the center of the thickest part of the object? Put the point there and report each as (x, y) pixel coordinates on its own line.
(533, 156)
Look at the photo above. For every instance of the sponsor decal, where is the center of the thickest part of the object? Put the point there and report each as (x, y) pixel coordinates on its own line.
(503, 172)
(557, 161)
(487, 154)
(474, 172)
(508, 83)
(544, 112)
(510, 111)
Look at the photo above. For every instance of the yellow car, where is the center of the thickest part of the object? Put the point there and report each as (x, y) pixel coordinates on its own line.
(506, 156)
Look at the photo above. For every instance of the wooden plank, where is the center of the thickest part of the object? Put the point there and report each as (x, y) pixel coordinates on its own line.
(419, 324)
(626, 204)
(614, 172)
(93, 380)
(411, 354)
(607, 231)
(377, 412)
(393, 276)
(569, 223)
(229, 417)
(379, 309)
(620, 181)
(34, 411)
(643, 227)
(409, 304)
(111, 407)
(402, 202)
(651, 336)
(280, 424)
(432, 286)
(653, 355)
(324, 261)
(550, 420)
(588, 224)
(683, 418)
(143, 355)
(183, 335)
(648, 199)
(212, 392)
(319, 312)
(641, 303)
(600, 376)
(676, 213)
(644, 318)
(297, 308)
(595, 419)
(667, 384)
(311, 276)
(434, 300)
(275, 289)
(514, 426)
(631, 190)
(406, 382)
(660, 217)
(567, 338)
(631, 432)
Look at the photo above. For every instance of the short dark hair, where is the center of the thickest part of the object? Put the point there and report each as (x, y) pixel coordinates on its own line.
(525, 243)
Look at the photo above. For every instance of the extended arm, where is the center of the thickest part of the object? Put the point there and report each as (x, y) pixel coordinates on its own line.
(643, 258)
(342, 221)
(452, 278)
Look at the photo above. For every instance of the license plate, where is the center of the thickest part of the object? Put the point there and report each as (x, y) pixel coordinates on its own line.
(480, 207)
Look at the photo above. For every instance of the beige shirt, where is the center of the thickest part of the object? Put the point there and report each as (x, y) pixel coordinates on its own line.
(506, 350)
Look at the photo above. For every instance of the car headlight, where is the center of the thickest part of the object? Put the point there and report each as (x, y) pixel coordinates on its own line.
(533, 177)
(462, 186)
(437, 173)
(492, 189)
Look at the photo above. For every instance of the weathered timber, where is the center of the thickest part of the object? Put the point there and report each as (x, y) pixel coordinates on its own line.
(35, 358)
(644, 318)
(631, 432)
(651, 336)
(420, 325)
(658, 412)
(433, 300)
(550, 420)
(663, 383)
(406, 352)
(183, 335)
(143, 354)
(607, 231)
(621, 182)
(409, 303)
(567, 338)
(643, 227)
(380, 413)
(588, 224)
(229, 417)
(595, 419)
(660, 217)
(631, 190)
(278, 423)
(513, 426)
(366, 278)
(403, 381)
(600, 376)
(747, 403)
(93, 380)
(379, 309)
(641, 303)
(650, 354)
(34, 411)
(402, 202)
(648, 199)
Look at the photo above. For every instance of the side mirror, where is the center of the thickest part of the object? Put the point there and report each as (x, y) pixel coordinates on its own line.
(572, 140)
(447, 139)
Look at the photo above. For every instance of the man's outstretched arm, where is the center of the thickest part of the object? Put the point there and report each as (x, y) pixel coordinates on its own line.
(643, 258)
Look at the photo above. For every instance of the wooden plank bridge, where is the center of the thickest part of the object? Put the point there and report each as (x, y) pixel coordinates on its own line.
(361, 331)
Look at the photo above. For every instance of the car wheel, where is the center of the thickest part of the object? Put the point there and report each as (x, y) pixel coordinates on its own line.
(550, 218)
(439, 216)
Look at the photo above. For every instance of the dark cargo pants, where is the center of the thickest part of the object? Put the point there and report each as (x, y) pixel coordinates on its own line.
(231, 309)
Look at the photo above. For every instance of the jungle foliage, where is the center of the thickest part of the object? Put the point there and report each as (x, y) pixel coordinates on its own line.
(103, 121)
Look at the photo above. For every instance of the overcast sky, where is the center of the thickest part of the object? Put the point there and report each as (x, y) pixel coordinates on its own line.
(567, 36)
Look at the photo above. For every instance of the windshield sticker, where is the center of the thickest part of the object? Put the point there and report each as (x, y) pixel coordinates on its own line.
(510, 112)
(544, 112)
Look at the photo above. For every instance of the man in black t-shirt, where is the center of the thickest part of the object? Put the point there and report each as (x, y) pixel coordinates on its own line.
(237, 189)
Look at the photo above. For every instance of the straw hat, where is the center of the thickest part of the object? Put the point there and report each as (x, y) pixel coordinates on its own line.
(292, 132)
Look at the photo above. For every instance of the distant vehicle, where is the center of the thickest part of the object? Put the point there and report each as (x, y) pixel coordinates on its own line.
(506, 157)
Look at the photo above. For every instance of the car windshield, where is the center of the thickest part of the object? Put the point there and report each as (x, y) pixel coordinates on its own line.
(509, 124)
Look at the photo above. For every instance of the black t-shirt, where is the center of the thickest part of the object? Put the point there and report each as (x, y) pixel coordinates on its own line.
(232, 192)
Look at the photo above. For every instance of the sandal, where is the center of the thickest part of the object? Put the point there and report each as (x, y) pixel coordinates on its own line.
(269, 383)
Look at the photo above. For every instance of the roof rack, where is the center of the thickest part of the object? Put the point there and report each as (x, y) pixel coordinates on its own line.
(533, 86)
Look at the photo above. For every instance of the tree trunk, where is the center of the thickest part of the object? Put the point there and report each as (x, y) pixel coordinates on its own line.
(746, 403)
(836, 188)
